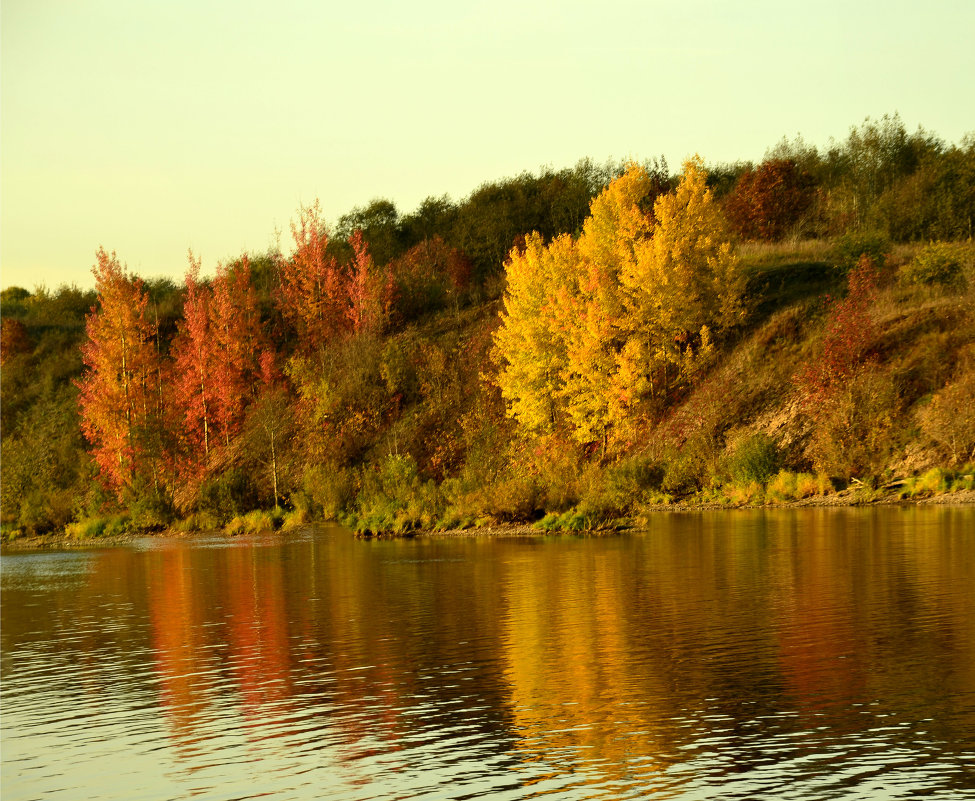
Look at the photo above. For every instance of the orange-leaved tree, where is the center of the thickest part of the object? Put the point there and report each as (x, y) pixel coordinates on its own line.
(119, 392)
(216, 359)
(239, 340)
(195, 361)
(370, 290)
(312, 290)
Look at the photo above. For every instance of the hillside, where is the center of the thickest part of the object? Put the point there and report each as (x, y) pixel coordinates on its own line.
(701, 338)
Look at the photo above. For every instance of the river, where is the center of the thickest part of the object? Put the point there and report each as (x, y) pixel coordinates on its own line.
(804, 653)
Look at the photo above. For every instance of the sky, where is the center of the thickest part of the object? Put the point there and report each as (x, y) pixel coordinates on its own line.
(150, 128)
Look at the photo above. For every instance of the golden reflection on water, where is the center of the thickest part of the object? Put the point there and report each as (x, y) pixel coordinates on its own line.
(711, 646)
(630, 650)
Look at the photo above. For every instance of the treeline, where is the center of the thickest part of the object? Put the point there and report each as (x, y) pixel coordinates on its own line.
(372, 374)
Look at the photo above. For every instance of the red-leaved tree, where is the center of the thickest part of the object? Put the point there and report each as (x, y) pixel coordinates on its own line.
(312, 291)
(770, 200)
(239, 341)
(195, 363)
(370, 290)
(216, 359)
(850, 330)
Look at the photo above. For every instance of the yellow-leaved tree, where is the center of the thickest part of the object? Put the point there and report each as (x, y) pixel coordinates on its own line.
(593, 328)
(684, 284)
(529, 346)
(591, 317)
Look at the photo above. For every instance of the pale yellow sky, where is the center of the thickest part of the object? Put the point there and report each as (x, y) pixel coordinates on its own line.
(153, 127)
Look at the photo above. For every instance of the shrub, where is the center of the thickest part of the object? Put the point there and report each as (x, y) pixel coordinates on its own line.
(474, 498)
(578, 519)
(295, 518)
(227, 495)
(326, 491)
(949, 419)
(933, 482)
(854, 425)
(150, 510)
(935, 265)
(198, 521)
(789, 486)
(94, 527)
(254, 522)
(851, 246)
(754, 459)
(745, 493)
(396, 499)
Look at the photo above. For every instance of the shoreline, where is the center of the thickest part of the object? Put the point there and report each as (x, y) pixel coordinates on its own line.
(845, 499)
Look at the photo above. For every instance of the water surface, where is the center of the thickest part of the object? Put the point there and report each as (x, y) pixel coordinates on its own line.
(815, 653)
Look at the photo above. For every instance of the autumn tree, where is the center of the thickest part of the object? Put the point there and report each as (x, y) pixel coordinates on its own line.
(194, 366)
(370, 290)
(239, 340)
(216, 360)
(14, 339)
(591, 310)
(595, 326)
(119, 395)
(851, 399)
(312, 291)
(268, 424)
(847, 338)
(529, 346)
(768, 202)
(427, 277)
(683, 284)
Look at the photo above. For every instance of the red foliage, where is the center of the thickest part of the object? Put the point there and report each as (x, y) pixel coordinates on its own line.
(850, 330)
(194, 365)
(217, 357)
(13, 339)
(119, 391)
(768, 201)
(426, 275)
(370, 292)
(239, 340)
(312, 292)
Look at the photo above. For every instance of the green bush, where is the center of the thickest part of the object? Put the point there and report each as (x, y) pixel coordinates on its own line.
(934, 265)
(480, 497)
(150, 510)
(580, 519)
(256, 521)
(848, 248)
(228, 495)
(754, 459)
(95, 527)
(327, 491)
(932, 482)
(198, 521)
(396, 499)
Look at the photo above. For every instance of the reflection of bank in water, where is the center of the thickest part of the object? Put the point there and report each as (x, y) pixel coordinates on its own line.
(588, 703)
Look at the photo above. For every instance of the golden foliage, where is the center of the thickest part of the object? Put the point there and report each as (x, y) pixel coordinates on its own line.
(594, 327)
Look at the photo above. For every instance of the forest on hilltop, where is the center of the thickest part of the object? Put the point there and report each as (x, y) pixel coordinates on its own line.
(576, 347)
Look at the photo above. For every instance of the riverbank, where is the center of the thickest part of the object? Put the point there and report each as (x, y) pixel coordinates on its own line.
(846, 498)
